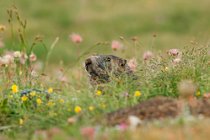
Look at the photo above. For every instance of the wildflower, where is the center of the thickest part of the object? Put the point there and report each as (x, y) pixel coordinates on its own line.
(23, 58)
(137, 93)
(17, 54)
(122, 126)
(147, 55)
(7, 59)
(91, 108)
(15, 88)
(39, 101)
(77, 109)
(173, 52)
(134, 121)
(50, 90)
(21, 121)
(32, 57)
(98, 92)
(116, 45)
(33, 93)
(132, 63)
(2, 28)
(166, 69)
(76, 38)
(103, 105)
(61, 100)
(24, 98)
(20, 72)
(34, 73)
(50, 103)
(198, 94)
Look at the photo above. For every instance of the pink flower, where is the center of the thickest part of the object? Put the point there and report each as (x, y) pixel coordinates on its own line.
(32, 57)
(122, 126)
(23, 58)
(88, 132)
(147, 55)
(7, 59)
(76, 38)
(116, 45)
(132, 63)
(173, 52)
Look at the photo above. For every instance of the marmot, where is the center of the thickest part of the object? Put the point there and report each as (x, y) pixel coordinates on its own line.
(101, 67)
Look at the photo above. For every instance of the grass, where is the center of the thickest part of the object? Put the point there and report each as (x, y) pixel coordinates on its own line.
(60, 100)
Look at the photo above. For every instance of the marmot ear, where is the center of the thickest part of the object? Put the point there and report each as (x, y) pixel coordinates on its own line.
(87, 63)
(125, 61)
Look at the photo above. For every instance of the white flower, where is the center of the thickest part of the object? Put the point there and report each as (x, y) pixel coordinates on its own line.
(17, 54)
(6, 59)
(134, 121)
(147, 55)
(34, 73)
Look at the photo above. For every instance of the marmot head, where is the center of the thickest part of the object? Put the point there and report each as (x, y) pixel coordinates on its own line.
(101, 67)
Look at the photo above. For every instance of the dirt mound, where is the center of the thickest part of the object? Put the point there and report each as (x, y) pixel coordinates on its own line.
(159, 108)
(155, 108)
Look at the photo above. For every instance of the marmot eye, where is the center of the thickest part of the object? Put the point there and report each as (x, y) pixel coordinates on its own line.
(108, 59)
(123, 63)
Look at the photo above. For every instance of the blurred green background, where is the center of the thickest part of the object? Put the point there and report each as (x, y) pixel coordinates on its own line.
(175, 22)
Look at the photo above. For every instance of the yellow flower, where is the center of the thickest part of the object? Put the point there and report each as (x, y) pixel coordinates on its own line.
(14, 88)
(50, 103)
(198, 94)
(61, 100)
(77, 109)
(166, 69)
(24, 98)
(33, 93)
(50, 90)
(21, 121)
(39, 101)
(103, 105)
(137, 93)
(2, 28)
(98, 92)
(91, 108)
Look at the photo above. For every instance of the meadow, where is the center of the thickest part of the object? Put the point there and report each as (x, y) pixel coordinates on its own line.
(44, 88)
